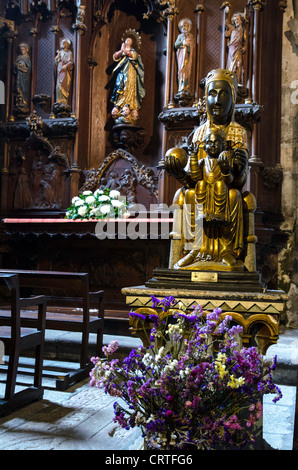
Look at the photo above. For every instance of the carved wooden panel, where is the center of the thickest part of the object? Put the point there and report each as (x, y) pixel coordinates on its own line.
(38, 176)
(111, 264)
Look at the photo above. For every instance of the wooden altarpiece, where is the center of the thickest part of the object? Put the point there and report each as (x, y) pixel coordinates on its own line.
(80, 142)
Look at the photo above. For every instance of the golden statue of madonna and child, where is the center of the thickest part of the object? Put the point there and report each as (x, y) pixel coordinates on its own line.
(219, 235)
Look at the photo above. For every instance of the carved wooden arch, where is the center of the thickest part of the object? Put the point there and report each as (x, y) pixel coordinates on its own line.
(157, 10)
(101, 20)
(145, 176)
(141, 172)
(35, 141)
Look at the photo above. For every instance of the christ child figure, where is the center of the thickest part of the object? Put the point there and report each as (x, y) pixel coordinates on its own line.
(212, 189)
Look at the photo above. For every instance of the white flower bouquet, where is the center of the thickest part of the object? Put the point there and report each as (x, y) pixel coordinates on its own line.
(101, 204)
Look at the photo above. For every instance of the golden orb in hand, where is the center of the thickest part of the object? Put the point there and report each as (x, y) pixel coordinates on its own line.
(179, 154)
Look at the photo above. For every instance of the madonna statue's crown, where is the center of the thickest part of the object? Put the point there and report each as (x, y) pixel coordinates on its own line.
(222, 74)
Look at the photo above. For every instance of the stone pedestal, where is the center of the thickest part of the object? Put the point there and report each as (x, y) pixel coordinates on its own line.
(257, 312)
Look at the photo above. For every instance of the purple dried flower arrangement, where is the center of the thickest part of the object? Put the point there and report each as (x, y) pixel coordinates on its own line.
(193, 386)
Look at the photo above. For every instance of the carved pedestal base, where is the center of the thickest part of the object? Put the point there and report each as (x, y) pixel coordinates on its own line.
(257, 312)
(184, 98)
(204, 280)
(21, 111)
(62, 110)
(127, 136)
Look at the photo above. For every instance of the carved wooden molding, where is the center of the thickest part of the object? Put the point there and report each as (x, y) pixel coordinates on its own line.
(16, 130)
(7, 27)
(245, 114)
(271, 176)
(144, 175)
(160, 9)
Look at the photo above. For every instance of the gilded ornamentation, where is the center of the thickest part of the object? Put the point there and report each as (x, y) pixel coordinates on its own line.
(9, 27)
(199, 8)
(163, 9)
(258, 314)
(257, 5)
(80, 18)
(283, 5)
(35, 124)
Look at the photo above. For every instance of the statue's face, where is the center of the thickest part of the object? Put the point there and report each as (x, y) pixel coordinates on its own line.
(23, 50)
(219, 101)
(237, 20)
(213, 145)
(128, 42)
(185, 27)
(64, 44)
(126, 110)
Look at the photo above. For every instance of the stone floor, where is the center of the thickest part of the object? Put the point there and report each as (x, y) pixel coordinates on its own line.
(77, 419)
(81, 418)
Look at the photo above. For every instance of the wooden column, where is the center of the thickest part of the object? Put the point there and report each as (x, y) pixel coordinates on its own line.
(34, 61)
(24, 7)
(170, 21)
(8, 114)
(198, 69)
(173, 74)
(79, 28)
(8, 91)
(225, 7)
(92, 64)
(250, 56)
(163, 183)
(256, 73)
(255, 161)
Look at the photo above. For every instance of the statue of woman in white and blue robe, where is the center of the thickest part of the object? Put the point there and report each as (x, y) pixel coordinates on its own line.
(129, 86)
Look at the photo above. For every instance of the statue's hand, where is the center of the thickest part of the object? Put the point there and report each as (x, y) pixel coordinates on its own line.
(175, 161)
(240, 160)
(174, 167)
(193, 148)
(224, 163)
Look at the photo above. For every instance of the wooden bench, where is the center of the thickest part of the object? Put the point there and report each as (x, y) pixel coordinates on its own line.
(68, 293)
(16, 339)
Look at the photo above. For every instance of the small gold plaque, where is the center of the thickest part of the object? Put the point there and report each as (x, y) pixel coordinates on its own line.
(204, 277)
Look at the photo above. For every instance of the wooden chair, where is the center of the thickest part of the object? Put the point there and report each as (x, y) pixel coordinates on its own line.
(68, 309)
(17, 339)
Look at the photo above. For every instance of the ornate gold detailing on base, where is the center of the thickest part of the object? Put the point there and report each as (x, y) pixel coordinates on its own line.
(257, 313)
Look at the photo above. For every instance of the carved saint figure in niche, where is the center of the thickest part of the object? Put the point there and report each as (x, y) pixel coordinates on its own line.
(223, 226)
(46, 183)
(22, 195)
(51, 186)
(184, 47)
(129, 86)
(127, 186)
(64, 69)
(236, 44)
(112, 181)
(22, 71)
